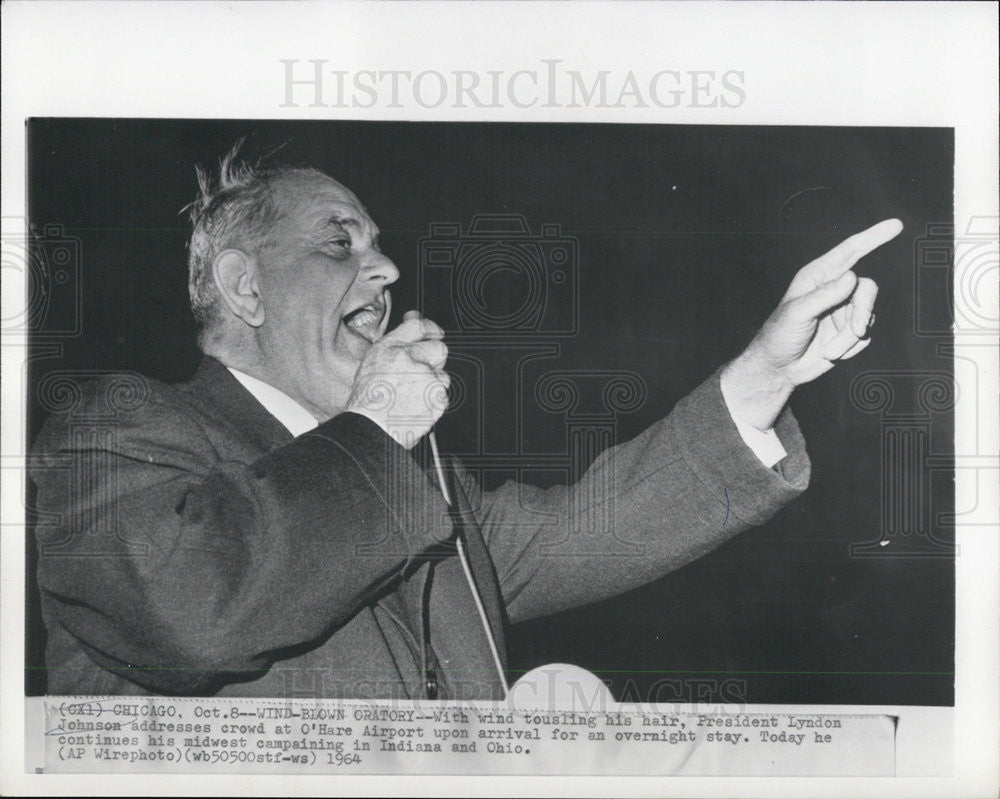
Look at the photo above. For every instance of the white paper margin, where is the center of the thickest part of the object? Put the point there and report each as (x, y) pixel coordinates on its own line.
(906, 64)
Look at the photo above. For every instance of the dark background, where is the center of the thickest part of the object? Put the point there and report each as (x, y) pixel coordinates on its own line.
(687, 237)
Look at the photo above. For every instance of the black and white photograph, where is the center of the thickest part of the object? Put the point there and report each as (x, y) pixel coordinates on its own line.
(549, 294)
(360, 444)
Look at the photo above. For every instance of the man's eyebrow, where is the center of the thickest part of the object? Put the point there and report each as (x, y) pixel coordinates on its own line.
(343, 221)
(349, 221)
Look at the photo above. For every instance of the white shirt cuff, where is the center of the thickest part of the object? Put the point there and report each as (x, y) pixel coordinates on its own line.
(765, 444)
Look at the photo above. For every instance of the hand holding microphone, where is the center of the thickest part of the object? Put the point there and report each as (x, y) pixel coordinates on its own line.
(401, 384)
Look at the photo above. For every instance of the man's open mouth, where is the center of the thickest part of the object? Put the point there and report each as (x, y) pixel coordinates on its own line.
(365, 320)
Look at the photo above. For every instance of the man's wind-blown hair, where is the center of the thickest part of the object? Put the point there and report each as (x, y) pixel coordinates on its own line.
(235, 208)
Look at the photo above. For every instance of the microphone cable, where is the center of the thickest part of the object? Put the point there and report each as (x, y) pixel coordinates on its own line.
(463, 557)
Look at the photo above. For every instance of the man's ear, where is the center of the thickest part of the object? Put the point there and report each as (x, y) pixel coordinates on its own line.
(235, 275)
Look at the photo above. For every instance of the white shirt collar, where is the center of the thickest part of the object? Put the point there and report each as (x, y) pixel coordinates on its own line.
(282, 407)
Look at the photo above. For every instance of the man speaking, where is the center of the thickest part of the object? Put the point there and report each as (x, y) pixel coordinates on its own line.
(273, 534)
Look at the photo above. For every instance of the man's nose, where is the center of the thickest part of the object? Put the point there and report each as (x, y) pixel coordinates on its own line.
(380, 268)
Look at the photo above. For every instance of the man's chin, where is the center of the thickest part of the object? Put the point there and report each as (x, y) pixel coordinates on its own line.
(347, 356)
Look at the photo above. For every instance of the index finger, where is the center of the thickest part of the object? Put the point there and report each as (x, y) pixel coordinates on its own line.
(834, 263)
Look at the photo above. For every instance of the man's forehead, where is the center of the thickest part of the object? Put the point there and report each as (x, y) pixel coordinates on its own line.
(316, 198)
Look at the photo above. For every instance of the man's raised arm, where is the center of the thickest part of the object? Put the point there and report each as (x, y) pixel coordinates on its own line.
(690, 482)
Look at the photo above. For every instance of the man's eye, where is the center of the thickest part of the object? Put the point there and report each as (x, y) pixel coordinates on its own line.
(341, 242)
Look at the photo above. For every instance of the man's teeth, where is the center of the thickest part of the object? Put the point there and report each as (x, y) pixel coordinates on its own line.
(362, 318)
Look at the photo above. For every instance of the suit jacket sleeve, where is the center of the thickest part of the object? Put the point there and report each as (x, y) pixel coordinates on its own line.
(211, 567)
(642, 509)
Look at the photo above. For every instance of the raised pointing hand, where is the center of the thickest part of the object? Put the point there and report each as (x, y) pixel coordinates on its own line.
(823, 318)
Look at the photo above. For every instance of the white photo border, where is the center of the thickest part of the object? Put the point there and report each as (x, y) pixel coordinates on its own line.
(810, 63)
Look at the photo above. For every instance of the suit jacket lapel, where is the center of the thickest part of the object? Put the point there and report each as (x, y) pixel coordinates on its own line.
(223, 395)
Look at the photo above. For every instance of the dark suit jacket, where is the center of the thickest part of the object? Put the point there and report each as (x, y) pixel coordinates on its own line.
(189, 545)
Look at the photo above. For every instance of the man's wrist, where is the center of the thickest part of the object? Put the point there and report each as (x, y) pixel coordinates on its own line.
(405, 435)
(754, 390)
(765, 444)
